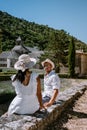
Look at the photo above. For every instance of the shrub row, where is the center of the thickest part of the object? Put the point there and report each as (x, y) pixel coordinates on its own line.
(6, 97)
(4, 77)
(7, 76)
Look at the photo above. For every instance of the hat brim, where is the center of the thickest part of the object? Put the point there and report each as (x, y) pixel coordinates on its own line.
(48, 61)
(21, 65)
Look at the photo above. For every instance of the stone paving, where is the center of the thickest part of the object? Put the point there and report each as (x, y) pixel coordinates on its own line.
(79, 121)
(74, 117)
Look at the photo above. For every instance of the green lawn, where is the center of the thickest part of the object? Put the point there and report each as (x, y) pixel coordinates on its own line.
(6, 86)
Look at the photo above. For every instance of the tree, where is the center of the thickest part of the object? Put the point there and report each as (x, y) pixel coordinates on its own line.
(71, 58)
(55, 50)
(0, 40)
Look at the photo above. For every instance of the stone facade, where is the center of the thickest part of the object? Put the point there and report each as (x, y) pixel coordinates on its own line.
(84, 64)
(7, 59)
(81, 62)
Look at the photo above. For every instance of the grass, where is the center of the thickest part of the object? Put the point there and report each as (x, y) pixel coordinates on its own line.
(6, 87)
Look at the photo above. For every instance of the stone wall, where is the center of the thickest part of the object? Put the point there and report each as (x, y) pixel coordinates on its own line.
(81, 62)
(84, 64)
(40, 120)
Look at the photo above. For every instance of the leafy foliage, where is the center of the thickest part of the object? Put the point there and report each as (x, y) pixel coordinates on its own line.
(53, 42)
(72, 58)
(0, 40)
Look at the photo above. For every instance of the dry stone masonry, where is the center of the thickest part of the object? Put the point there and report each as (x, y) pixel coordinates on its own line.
(41, 119)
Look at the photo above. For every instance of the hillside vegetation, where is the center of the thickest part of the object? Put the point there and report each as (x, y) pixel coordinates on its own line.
(53, 42)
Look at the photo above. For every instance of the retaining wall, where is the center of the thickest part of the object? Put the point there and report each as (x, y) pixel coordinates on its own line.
(40, 120)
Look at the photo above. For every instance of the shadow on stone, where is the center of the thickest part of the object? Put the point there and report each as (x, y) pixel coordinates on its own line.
(40, 113)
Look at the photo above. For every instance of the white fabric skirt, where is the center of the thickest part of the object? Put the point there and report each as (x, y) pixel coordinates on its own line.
(24, 104)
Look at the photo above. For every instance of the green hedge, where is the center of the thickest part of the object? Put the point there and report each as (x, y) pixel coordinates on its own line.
(7, 76)
(4, 77)
(6, 97)
(0, 70)
(64, 75)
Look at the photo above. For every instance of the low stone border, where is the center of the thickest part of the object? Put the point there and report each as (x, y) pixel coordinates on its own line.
(40, 120)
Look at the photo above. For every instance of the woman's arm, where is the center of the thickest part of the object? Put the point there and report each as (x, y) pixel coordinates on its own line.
(39, 94)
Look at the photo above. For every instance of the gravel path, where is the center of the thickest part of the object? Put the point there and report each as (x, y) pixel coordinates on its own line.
(78, 119)
(74, 117)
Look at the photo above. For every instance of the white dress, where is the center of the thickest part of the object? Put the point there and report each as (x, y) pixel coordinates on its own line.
(26, 101)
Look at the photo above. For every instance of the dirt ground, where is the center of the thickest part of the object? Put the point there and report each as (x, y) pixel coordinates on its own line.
(74, 117)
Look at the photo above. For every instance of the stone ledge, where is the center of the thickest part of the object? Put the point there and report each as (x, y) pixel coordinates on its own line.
(40, 120)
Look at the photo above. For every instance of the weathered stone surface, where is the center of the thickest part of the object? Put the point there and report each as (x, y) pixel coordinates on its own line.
(38, 121)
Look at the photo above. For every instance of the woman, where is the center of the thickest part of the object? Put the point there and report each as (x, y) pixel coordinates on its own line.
(27, 86)
(51, 84)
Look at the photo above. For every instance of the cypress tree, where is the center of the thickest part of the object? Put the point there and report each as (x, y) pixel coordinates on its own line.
(71, 59)
(0, 40)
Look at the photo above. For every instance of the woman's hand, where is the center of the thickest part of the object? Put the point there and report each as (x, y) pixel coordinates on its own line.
(42, 107)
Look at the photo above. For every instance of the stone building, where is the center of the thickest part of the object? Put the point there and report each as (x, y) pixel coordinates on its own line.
(81, 62)
(3, 58)
(8, 58)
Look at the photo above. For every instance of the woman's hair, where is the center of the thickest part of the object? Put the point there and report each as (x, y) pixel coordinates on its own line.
(20, 76)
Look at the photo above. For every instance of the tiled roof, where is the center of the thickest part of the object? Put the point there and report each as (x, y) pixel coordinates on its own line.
(14, 53)
(5, 54)
(36, 55)
(20, 49)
